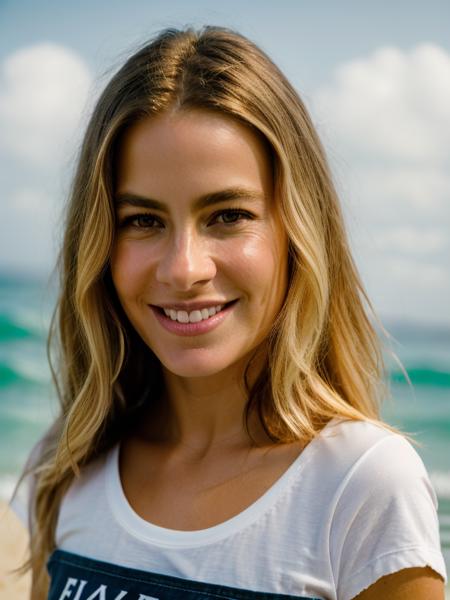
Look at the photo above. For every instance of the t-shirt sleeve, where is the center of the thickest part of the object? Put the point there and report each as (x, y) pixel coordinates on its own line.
(385, 518)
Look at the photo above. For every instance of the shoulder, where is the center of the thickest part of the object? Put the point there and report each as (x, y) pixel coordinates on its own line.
(362, 454)
(87, 490)
(356, 437)
(378, 468)
(92, 476)
(369, 451)
(384, 513)
(382, 476)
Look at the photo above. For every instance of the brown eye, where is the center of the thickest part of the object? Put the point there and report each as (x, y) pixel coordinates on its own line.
(232, 216)
(145, 221)
(142, 221)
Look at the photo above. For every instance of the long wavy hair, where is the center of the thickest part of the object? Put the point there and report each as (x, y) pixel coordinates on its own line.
(323, 356)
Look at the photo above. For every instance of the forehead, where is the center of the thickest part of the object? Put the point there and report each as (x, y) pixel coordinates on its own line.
(195, 149)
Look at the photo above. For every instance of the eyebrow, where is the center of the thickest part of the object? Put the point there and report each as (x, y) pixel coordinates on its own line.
(235, 193)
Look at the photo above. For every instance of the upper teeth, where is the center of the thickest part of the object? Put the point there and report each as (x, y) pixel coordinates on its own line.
(194, 316)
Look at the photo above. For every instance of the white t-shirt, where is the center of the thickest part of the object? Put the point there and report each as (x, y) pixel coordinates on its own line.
(355, 505)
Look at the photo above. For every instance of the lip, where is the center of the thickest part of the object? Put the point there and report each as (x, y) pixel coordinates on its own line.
(190, 306)
(189, 329)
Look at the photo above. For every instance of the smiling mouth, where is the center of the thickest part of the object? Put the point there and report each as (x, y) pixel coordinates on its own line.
(193, 316)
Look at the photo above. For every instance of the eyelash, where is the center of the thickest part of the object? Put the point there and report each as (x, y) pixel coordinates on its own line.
(128, 221)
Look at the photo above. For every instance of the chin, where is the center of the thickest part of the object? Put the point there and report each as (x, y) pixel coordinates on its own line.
(191, 370)
(198, 366)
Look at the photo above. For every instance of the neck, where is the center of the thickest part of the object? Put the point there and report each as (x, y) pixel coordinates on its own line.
(206, 414)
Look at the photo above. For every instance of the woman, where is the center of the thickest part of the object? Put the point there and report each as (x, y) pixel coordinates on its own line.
(219, 377)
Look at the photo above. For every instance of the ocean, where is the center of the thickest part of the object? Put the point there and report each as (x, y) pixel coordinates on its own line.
(420, 407)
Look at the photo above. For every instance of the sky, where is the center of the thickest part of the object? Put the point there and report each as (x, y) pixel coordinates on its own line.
(374, 76)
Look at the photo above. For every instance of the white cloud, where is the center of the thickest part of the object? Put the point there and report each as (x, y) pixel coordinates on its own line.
(44, 89)
(385, 119)
(43, 99)
(29, 202)
(412, 240)
(398, 187)
(393, 105)
(28, 232)
(409, 272)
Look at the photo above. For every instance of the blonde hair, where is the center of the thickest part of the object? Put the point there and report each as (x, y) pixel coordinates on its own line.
(323, 358)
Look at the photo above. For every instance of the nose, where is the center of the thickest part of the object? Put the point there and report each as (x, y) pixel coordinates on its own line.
(185, 262)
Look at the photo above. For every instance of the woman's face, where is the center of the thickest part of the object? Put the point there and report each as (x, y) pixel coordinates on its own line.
(200, 258)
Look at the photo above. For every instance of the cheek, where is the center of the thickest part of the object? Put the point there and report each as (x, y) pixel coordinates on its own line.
(129, 264)
(260, 263)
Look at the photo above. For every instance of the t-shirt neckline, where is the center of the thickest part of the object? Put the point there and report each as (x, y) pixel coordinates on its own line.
(162, 536)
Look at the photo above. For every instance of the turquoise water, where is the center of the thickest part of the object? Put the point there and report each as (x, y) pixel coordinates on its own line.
(27, 400)
(28, 403)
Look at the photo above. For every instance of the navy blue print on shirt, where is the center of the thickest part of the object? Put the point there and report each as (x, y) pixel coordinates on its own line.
(76, 577)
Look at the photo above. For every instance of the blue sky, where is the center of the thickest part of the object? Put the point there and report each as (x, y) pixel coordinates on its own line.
(375, 76)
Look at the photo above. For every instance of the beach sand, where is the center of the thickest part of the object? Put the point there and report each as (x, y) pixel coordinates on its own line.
(13, 548)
